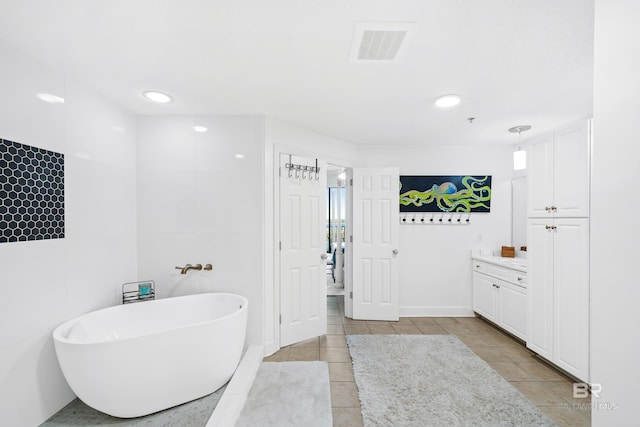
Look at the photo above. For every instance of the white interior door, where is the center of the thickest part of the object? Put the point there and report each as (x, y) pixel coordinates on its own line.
(303, 287)
(376, 211)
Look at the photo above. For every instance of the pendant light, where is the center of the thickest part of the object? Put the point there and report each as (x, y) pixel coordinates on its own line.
(520, 155)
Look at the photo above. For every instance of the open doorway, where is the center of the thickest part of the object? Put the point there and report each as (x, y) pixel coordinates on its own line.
(336, 223)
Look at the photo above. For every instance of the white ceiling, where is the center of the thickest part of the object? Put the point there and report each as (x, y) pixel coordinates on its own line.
(513, 62)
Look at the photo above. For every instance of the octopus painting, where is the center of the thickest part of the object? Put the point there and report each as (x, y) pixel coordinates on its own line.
(462, 193)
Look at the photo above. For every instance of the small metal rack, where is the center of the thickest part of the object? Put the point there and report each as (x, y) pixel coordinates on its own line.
(138, 291)
(302, 170)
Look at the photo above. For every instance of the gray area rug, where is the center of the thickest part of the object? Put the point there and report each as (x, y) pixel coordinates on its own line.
(191, 414)
(289, 394)
(433, 380)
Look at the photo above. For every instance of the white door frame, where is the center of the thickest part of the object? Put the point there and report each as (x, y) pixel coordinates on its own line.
(272, 306)
(348, 249)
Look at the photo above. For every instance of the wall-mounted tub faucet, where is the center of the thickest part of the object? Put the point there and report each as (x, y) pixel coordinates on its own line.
(183, 270)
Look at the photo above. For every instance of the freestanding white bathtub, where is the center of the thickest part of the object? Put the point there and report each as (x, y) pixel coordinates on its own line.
(135, 359)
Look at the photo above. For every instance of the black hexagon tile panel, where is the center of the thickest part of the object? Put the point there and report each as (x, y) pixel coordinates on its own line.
(31, 193)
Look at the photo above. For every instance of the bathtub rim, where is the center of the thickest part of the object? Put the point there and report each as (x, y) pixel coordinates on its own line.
(66, 326)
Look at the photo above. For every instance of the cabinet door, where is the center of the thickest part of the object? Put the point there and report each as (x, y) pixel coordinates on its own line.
(571, 171)
(540, 180)
(512, 308)
(571, 296)
(540, 287)
(484, 296)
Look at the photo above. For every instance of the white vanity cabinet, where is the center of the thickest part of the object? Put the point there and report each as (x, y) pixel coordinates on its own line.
(558, 173)
(500, 294)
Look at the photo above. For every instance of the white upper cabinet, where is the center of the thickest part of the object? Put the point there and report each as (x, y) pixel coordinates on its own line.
(558, 167)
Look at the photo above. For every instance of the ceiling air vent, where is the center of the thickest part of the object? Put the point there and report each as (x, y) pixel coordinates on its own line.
(379, 41)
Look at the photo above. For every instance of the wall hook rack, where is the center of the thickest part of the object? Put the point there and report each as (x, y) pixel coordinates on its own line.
(303, 171)
(430, 219)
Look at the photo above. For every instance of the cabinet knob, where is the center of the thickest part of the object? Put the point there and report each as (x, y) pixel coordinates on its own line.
(519, 279)
(547, 208)
(553, 208)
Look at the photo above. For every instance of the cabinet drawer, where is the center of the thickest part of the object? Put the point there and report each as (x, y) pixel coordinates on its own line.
(479, 266)
(518, 278)
(499, 272)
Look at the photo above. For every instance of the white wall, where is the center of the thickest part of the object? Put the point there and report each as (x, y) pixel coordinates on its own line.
(46, 282)
(198, 203)
(435, 263)
(615, 291)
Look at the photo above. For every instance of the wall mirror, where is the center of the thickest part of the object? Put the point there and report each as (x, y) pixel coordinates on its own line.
(519, 212)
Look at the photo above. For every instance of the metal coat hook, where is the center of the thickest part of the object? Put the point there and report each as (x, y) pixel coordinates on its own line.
(305, 170)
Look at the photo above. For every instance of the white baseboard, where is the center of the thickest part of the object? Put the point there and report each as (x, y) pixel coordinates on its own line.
(439, 311)
(230, 405)
(270, 348)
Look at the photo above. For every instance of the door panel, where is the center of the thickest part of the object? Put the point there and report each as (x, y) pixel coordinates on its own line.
(571, 170)
(375, 243)
(540, 181)
(571, 295)
(484, 301)
(540, 289)
(512, 309)
(302, 266)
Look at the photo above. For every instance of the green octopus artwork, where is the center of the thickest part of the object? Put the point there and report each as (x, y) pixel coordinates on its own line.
(460, 193)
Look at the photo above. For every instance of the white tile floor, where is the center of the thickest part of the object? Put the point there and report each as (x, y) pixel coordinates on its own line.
(333, 289)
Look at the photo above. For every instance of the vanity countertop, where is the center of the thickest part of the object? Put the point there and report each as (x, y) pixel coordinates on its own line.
(519, 264)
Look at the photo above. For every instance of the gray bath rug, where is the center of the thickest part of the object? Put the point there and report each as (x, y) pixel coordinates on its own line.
(289, 394)
(433, 380)
(191, 414)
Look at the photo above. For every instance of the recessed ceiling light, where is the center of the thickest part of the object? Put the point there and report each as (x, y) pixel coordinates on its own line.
(50, 98)
(239, 156)
(198, 128)
(160, 97)
(446, 101)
